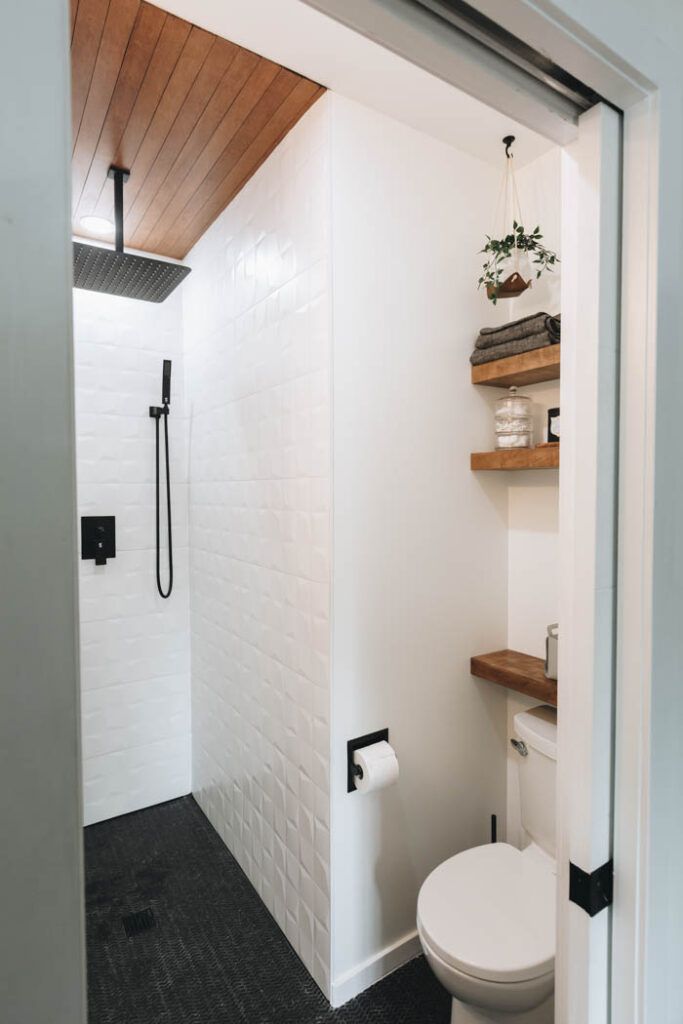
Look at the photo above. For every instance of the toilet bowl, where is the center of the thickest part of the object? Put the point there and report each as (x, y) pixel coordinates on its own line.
(486, 917)
(486, 922)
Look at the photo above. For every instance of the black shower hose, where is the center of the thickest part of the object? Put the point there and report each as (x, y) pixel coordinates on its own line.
(164, 414)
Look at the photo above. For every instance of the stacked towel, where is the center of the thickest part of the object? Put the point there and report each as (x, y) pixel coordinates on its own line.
(553, 326)
(531, 332)
(510, 348)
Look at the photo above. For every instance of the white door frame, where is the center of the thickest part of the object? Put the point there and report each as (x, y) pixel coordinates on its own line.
(589, 393)
(546, 26)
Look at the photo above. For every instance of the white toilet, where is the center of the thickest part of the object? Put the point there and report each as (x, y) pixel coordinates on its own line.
(486, 917)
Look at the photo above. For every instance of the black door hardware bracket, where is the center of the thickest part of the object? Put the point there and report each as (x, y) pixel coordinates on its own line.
(592, 892)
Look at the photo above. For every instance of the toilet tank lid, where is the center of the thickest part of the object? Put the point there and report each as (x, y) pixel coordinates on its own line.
(538, 729)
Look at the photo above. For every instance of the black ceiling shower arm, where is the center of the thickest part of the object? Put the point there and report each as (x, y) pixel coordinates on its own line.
(120, 176)
(117, 272)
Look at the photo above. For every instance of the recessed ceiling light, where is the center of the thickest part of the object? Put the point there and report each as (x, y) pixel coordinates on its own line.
(98, 225)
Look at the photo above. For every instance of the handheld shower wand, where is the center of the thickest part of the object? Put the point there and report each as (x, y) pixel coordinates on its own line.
(158, 412)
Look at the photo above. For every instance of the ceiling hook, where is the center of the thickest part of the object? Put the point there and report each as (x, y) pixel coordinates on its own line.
(507, 142)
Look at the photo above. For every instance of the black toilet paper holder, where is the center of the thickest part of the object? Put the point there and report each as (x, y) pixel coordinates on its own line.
(354, 771)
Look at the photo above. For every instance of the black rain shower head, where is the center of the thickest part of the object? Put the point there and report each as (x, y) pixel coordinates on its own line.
(124, 273)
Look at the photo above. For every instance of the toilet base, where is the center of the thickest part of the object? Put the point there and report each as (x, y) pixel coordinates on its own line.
(463, 1013)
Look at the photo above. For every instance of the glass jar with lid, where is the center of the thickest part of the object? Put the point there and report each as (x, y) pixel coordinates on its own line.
(514, 424)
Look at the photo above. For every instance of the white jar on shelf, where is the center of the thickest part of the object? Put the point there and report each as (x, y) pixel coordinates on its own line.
(514, 424)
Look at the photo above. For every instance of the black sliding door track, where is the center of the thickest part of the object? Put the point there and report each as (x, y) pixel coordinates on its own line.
(478, 26)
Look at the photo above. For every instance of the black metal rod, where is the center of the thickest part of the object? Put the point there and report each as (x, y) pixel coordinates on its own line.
(118, 207)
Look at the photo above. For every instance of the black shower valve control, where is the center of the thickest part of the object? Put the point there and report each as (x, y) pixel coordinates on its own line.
(98, 538)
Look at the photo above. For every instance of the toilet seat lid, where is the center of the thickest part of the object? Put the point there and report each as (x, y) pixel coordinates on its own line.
(490, 913)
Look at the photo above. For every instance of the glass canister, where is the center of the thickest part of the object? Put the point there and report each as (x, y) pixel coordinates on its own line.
(514, 425)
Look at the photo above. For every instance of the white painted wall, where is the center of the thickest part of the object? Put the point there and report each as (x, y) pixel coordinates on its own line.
(257, 332)
(420, 542)
(135, 646)
(42, 943)
(533, 497)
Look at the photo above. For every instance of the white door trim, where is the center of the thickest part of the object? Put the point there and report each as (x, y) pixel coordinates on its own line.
(635, 562)
(591, 213)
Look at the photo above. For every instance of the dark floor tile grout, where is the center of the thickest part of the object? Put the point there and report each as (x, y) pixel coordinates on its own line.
(215, 955)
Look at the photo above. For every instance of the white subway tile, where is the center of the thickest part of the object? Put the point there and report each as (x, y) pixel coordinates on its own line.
(258, 352)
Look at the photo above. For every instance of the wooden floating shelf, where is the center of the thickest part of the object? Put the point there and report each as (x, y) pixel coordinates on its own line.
(518, 672)
(517, 458)
(515, 371)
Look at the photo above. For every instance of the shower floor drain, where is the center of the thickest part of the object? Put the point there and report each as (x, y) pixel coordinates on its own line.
(140, 921)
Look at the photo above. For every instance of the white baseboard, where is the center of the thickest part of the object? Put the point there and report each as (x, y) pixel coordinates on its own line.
(355, 981)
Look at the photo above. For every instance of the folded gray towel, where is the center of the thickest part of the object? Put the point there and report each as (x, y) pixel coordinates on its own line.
(533, 324)
(510, 348)
(553, 327)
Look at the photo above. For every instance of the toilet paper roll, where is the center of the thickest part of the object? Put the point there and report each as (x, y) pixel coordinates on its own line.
(379, 765)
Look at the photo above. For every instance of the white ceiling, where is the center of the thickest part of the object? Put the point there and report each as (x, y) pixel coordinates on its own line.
(291, 33)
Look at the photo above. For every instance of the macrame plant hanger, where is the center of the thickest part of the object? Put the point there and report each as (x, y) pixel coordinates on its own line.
(509, 214)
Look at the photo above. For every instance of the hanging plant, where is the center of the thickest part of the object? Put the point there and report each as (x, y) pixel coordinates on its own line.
(499, 251)
(515, 250)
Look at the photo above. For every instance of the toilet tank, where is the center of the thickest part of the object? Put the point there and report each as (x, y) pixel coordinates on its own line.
(537, 731)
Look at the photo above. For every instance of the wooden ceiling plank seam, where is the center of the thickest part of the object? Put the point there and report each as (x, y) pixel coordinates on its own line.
(80, 161)
(166, 54)
(106, 198)
(290, 112)
(259, 114)
(249, 99)
(115, 39)
(257, 118)
(219, 59)
(143, 40)
(187, 67)
(211, 124)
(87, 36)
(73, 7)
(149, 193)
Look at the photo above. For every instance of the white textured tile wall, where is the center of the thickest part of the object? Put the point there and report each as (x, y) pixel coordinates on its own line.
(135, 661)
(257, 339)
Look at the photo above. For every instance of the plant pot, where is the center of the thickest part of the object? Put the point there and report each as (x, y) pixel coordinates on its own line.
(509, 288)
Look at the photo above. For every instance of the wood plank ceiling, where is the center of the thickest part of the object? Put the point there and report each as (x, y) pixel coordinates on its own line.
(190, 114)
